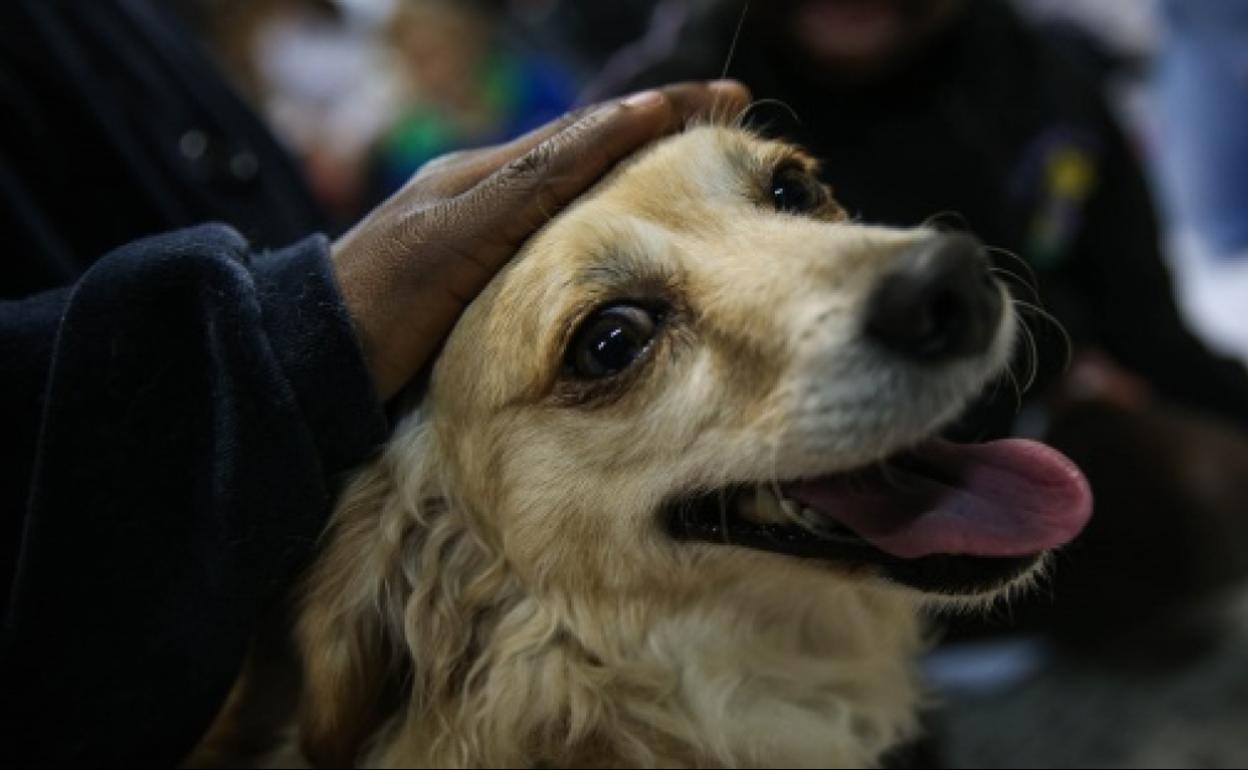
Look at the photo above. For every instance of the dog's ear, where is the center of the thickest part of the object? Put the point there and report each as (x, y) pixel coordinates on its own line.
(403, 592)
(343, 626)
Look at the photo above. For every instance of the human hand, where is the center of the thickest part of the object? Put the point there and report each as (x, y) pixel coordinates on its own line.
(408, 270)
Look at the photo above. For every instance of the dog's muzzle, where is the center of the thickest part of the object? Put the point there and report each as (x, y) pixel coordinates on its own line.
(939, 303)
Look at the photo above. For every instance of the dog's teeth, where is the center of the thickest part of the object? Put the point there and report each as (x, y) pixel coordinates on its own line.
(812, 520)
(766, 508)
(817, 522)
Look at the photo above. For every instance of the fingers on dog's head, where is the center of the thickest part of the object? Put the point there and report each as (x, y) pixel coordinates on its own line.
(534, 185)
(622, 126)
(486, 203)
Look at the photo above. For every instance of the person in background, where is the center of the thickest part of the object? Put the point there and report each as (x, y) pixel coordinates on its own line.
(322, 75)
(466, 86)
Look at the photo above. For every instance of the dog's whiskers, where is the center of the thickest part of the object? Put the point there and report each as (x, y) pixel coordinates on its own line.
(736, 38)
(1031, 357)
(1044, 315)
(934, 222)
(740, 122)
(1012, 280)
(1032, 282)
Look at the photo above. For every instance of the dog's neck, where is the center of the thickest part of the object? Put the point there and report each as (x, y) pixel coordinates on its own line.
(832, 690)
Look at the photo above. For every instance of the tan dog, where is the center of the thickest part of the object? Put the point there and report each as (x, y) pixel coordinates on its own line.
(671, 498)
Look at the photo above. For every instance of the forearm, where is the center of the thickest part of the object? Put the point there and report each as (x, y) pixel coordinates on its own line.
(195, 407)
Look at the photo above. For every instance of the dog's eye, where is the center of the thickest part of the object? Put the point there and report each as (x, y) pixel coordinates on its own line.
(794, 191)
(611, 340)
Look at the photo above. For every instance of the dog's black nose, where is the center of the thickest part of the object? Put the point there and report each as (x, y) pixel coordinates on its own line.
(939, 303)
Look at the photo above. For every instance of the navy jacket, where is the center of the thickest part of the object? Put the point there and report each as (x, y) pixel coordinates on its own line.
(177, 399)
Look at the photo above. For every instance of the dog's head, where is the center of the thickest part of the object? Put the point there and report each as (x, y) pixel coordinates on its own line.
(703, 389)
(705, 355)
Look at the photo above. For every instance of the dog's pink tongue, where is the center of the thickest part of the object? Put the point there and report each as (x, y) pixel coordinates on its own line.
(1005, 498)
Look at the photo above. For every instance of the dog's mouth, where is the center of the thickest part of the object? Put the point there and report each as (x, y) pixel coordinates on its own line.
(949, 518)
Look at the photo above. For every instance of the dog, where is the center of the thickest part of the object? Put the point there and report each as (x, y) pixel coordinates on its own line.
(674, 494)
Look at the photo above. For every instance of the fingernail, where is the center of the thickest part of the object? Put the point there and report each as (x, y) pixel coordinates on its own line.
(725, 85)
(643, 99)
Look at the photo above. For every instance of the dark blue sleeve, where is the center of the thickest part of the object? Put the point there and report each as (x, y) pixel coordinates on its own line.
(177, 420)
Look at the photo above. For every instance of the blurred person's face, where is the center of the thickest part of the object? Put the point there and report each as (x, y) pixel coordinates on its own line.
(856, 39)
(443, 47)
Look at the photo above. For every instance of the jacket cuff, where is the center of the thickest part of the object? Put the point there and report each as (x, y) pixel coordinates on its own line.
(312, 337)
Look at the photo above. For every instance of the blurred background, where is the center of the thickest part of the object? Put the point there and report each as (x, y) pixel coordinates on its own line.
(1103, 143)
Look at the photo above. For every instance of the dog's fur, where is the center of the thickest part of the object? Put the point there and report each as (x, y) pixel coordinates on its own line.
(498, 588)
